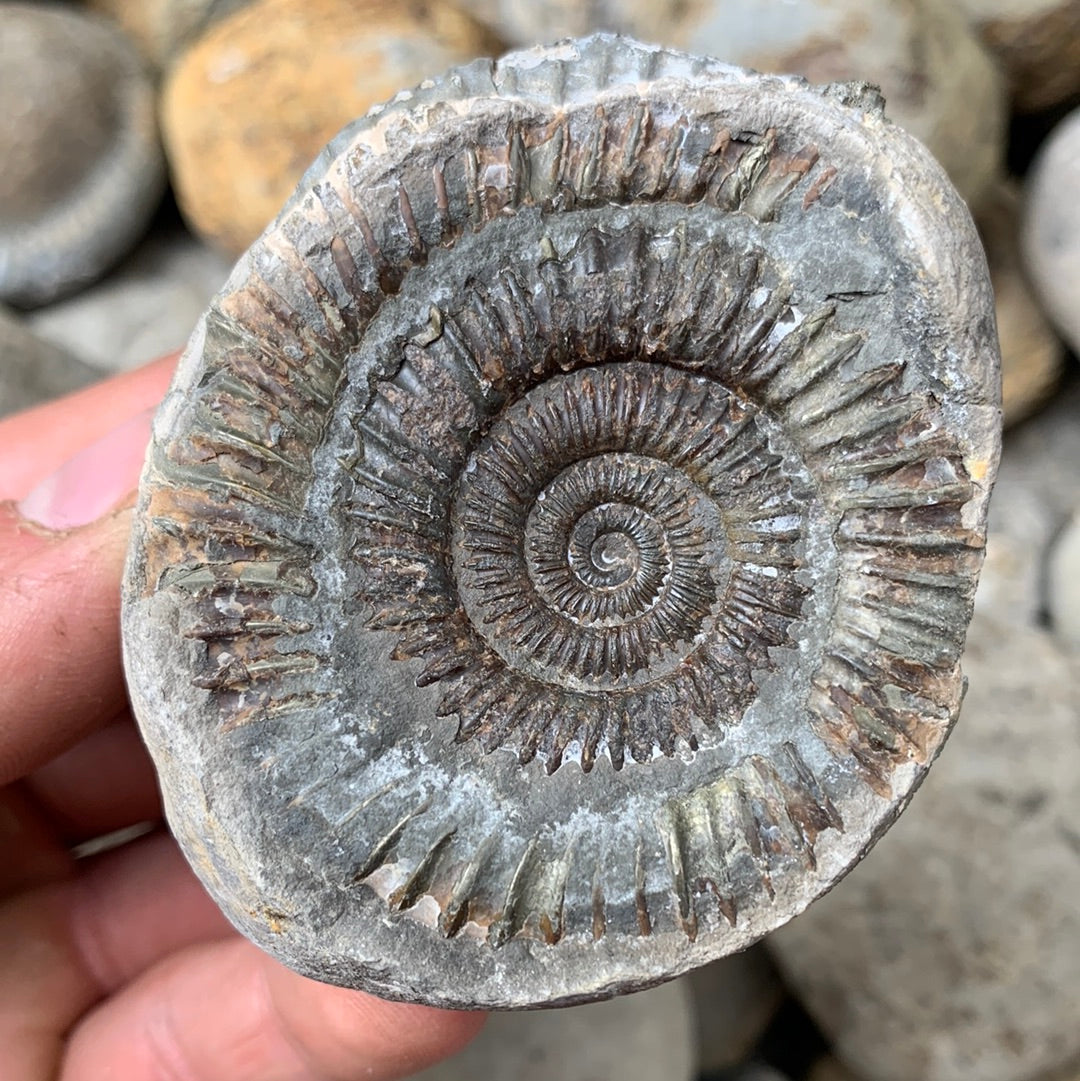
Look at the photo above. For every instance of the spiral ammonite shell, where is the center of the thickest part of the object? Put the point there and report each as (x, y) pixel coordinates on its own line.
(554, 554)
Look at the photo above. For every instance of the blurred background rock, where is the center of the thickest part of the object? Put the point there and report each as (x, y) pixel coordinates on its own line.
(953, 952)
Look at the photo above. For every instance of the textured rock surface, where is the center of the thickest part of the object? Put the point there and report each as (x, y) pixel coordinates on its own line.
(1032, 355)
(1051, 231)
(939, 82)
(245, 110)
(80, 166)
(1038, 44)
(950, 953)
(642, 1037)
(735, 998)
(146, 308)
(555, 549)
(33, 370)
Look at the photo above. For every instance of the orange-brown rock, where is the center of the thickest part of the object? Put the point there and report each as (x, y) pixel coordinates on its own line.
(248, 107)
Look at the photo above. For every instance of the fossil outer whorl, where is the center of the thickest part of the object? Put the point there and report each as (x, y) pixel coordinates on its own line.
(555, 551)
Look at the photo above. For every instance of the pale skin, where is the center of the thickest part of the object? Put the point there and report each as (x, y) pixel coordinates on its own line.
(119, 966)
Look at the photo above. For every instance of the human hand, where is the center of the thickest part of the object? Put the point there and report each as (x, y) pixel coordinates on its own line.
(119, 965)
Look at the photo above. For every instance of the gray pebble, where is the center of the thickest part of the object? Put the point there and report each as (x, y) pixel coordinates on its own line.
(146, 308)
(80, 166)
(1051, 231)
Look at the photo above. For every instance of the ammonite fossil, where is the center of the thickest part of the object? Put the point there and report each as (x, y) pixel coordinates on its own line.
(555, 551)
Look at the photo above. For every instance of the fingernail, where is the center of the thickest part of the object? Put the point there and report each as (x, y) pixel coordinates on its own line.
(94, 481)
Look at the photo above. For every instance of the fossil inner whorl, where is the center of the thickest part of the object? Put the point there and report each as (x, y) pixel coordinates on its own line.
(579, 561)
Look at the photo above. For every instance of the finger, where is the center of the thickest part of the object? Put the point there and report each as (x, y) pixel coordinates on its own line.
(103, 783)
(59, 637)
(31, 853)
(35, 443)
(69, 944)
(227, 1012)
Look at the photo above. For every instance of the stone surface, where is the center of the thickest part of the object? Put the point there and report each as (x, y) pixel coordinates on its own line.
(1064, 582)
(1037, 42)
(1051, 228)
(554, 552)
(642, 1037)
(1032, 355)
(146, 308)
(245, 110)
(734, 1000)
(162, 28)
(33, 370)
(939, 82)
(950, 953)
(80, 166)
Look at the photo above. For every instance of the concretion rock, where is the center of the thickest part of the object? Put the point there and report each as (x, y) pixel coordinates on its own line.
(1051, 228)
(643, 1037)
(162, 28)
(554, 553)
(146, 308)
(248, 107)
(1037, 42)
(80, 165)
(950, 954)
(735, 998)
(938, 80)
(32, 370)
(1064, 583)
(1032, 355)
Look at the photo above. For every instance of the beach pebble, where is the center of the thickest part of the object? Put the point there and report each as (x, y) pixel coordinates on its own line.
(1051, 229)
(246, 110)
(80, 165)
(144, 309)
(1032, 355)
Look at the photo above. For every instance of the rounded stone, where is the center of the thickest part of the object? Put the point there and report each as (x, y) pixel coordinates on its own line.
(1032, 355)
(1051, 229)
(939, 82)
(1037, 42)
(80, 166)
(555, 550)
(245, 109)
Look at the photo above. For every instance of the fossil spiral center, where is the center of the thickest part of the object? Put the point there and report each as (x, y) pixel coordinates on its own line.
(580, 562)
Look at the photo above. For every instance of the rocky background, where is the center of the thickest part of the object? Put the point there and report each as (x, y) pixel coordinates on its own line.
(145, 143)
